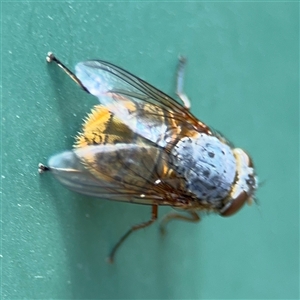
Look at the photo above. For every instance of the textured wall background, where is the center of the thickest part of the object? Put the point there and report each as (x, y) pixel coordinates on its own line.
(242, 78)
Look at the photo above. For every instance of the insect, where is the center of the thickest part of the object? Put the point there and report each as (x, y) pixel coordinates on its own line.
(142, 146)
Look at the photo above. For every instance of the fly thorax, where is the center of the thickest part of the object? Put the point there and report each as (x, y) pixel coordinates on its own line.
(207, 165)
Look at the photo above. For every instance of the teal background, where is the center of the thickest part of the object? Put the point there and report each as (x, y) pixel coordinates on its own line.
(242, 78)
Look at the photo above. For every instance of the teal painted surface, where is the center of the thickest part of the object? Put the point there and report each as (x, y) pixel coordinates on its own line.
(242, 79)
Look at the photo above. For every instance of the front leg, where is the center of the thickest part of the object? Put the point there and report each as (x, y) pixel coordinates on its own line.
(192, 217)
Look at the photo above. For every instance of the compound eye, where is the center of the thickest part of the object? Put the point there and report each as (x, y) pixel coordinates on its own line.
(235, 205)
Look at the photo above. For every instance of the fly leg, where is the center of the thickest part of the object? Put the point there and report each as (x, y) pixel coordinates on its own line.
(179, 83)
(131, 230)
(51, 57)
(192, 217)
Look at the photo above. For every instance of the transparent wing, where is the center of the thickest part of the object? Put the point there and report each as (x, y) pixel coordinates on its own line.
(143, 108)
(123, 172)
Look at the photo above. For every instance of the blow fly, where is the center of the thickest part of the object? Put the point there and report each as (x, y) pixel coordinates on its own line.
(139, 145)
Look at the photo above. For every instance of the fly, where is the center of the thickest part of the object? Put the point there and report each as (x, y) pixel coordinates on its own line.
(139, 145)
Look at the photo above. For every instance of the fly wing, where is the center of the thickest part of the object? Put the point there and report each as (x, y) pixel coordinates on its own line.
(124, 172)
(143, 108)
